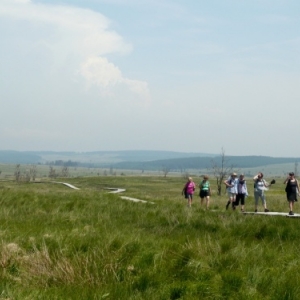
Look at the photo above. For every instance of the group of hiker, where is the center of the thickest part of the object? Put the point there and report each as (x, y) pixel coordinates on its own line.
(237, 191)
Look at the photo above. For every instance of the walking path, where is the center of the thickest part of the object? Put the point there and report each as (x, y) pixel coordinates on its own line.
(115, 190)
(118, 190)
(68, 184)
(270, 213)
(112, 191)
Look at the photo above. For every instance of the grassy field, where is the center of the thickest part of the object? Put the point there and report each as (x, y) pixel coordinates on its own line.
(60, 243)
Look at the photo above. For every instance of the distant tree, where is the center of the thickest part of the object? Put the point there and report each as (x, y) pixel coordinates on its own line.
(17, 173)
(26, 177)
(65, 171)
(33, 172)
(165, 170)
(221, 170)
(296, 169)
(111, 171)
(52, 172)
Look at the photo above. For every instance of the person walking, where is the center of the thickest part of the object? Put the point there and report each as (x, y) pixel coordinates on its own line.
(242, 193)
(291, 189)
(205, 191)
(188, 190)
(231, 185)
(260, 185)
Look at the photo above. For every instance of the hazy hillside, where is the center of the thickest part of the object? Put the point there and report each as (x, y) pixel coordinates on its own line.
(14, 157)
(205, 162)
(99, 158)
(141, 160)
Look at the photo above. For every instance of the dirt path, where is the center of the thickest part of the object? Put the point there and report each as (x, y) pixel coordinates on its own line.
(112, 191)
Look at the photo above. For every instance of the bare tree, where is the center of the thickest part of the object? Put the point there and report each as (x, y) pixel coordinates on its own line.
(111, 171)
(33, 172)
(26, 177)
(52, 172)
(221, 170)
(165, 170)
(65, 171)
(17, 173)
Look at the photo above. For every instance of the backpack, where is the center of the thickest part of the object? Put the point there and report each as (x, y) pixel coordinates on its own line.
(255, 182)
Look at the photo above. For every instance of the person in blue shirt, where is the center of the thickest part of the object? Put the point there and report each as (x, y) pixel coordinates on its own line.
(241, 192)
(231, 185)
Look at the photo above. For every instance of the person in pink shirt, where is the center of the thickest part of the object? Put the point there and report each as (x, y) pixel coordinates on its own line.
(188, 190)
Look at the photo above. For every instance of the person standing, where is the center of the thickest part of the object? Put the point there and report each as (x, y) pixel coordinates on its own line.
(205, 191)
(231, 185)
(291, 189)
(260, 185)
(188, 190)
(241, 192)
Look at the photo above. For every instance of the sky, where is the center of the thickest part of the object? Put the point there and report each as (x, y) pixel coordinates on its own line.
(173, 75)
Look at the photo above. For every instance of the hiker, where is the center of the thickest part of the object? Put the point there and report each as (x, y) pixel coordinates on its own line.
(291, 189)
(241, 193)
(205, 191)
(231, 185)
(188, 191)
(260, 185)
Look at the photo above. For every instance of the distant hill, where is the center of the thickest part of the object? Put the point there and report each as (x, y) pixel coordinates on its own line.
(205, 162)
(98, 158)
(138, 160)
(16, 157)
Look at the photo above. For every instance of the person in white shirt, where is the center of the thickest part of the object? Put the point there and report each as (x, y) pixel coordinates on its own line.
(231, 185)
(260, 185)
(241, 192)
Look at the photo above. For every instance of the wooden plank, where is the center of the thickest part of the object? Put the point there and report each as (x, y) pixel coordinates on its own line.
(271, 213)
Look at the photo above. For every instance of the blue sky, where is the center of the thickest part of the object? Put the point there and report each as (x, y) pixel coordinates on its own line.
(190, 76)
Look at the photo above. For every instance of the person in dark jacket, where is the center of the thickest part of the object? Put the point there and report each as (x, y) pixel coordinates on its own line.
(291, 189)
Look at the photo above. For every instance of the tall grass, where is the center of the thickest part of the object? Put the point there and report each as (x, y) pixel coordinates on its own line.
(59, 243)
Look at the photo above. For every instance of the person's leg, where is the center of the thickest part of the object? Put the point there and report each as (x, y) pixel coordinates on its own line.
(256, 198)
(202, 200)
(229, 200)
(242, 202)
(237, 200)
(264, 202)
(232, 199)
(291, 205)
(190, 199)
(207, 202)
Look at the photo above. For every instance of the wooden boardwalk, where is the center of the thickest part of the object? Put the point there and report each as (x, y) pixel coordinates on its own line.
(271, 213)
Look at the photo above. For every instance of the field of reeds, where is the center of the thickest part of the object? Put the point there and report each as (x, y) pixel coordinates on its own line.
(60, 243)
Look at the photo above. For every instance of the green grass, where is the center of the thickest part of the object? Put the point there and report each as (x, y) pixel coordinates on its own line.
(59, 243)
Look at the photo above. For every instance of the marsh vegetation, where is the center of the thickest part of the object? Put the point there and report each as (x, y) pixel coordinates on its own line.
(60, 243)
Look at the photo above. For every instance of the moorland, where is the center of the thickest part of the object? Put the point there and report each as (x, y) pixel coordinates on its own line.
(61, 243)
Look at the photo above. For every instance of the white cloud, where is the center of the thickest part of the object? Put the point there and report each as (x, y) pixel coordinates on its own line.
(99, 71)
(76, 38)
